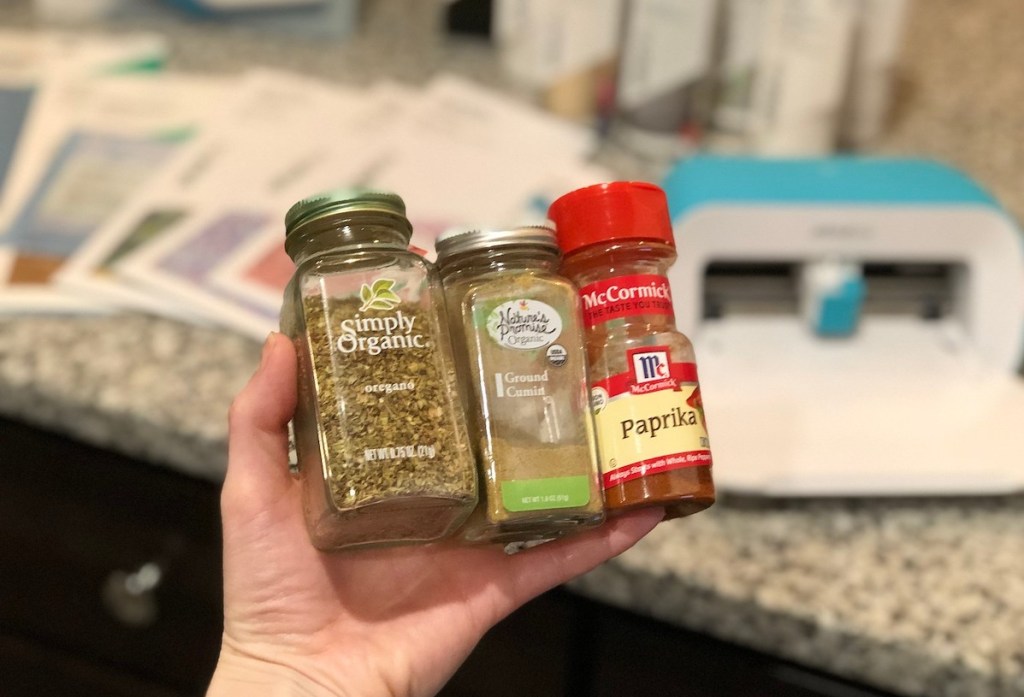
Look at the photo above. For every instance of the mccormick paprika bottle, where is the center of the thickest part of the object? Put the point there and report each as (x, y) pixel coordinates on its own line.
(653, 440)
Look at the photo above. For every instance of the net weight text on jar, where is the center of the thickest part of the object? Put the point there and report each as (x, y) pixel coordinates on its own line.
(400, 452)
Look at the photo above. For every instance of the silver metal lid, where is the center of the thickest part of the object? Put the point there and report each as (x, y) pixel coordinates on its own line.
(460, 240)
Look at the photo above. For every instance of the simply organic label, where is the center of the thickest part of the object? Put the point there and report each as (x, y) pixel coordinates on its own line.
(524, 324)
(379, 326)
(649, 419)
(626, 296)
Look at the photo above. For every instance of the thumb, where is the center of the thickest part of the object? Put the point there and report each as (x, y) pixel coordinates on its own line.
(257, 472)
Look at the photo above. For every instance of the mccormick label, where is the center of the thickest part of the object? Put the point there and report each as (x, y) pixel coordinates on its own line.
(624, 296)
(649, 419)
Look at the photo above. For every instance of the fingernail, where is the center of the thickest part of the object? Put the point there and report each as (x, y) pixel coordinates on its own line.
(267, 349)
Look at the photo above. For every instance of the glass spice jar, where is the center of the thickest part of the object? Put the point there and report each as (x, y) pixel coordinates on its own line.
(383, 451)
(652, 436)
(517, 331)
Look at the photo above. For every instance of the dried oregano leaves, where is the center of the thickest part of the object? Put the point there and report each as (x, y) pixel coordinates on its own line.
(385, 400)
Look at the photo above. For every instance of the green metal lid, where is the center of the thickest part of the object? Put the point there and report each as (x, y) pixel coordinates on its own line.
(336, 201)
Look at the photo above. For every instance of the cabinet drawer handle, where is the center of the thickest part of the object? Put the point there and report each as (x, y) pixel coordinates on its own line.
(130, 596)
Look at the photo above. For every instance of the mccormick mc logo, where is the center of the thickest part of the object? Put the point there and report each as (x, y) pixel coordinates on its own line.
(649, 366)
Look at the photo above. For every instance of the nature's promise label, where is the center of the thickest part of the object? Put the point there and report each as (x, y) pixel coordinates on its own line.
(525, 378)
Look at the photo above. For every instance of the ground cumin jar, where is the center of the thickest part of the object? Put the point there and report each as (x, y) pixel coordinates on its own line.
(380, 435)
(519, 343)
(652, 437)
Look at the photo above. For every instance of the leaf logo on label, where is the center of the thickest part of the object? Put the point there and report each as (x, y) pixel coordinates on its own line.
(379, 296)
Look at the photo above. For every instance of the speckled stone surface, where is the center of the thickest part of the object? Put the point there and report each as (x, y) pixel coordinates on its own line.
(920, 598)
(915, 597)
(148, 387)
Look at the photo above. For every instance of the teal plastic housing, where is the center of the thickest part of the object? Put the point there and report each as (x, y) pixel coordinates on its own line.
(848, 180)
(871, 181)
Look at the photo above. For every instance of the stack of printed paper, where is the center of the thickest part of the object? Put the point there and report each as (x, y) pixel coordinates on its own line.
(166, 192)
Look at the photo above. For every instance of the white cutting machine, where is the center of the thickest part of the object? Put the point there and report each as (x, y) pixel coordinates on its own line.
(859, 325)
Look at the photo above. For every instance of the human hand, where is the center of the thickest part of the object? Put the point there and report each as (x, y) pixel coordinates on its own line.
(396, 621)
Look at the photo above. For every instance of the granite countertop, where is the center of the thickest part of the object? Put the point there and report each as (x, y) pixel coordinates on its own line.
(922, 597)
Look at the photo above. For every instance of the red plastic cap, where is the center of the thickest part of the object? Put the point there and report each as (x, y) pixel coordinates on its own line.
(615, 211)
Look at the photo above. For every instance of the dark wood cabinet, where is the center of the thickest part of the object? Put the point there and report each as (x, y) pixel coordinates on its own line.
(75, 523)
(563, 645)
(78, 523)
